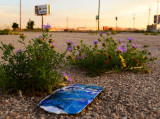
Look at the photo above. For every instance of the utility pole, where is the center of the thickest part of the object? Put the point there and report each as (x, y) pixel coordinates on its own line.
(157, 15)
(116, 18)
(133, 20)
(149, 15)
(20, 14)
(98, 14)
(67, 22)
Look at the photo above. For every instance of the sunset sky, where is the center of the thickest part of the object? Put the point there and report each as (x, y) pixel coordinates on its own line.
(80, 13)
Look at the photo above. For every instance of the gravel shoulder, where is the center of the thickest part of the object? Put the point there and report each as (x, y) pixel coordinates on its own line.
(126, 95)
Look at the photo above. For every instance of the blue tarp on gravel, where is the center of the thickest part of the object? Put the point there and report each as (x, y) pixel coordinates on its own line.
(70, 99)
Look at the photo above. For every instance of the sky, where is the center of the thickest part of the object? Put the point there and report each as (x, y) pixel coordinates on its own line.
(80, 13)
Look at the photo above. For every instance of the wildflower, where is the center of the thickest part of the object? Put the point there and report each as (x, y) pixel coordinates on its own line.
(104, 44)
(151, 53)
(122, 60)
(70, 43)
(99, 39)
(80, 52)
(120, 40)
(130, 39)
(115, 44)
(53, 45)
(95, 42)
(123, 45)
(47, 26)
(11, 46)
(40, 40)
(105, 53)
(101, 34)
(78, 47)
(20, 50)
(137, 61)
(134, 45)
(121, 49)
(22, 36)
(107, 61)
(51, 40)
(70, 49)
(66, 76)
(98, 53)
(108, 33)
(79, 57)
(72, 57)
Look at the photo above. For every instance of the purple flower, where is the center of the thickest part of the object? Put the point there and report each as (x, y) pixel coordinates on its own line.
(70, 48)
(20, 50)
(130, 39)
(100, 33)
(150, 52)
(95, 42)
(123, 45)
(70, 43)
(134, 45)
(67, 77)
(122, 49)
(120, 40)
(79, 57)
(47, 26)
(39, 36)
(53, 45)
(108, 33)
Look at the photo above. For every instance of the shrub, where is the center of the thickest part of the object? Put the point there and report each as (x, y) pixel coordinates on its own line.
(30, 24)
(8, 32)
(108, 55)
(33, 68)
(15, 25)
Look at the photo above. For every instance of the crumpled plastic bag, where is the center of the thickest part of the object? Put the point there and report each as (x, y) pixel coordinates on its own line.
(70, 99)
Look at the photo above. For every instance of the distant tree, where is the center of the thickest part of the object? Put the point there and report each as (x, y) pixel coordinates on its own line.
(15, 25)
(30, 24)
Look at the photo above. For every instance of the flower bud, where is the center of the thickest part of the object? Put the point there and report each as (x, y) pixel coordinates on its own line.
(51, 40)
(11, 46)
(103, 44)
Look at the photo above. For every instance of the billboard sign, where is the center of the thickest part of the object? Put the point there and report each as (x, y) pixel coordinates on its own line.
(155, 19)
(42, 9)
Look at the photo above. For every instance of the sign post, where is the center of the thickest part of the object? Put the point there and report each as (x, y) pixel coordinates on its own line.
(42, 21)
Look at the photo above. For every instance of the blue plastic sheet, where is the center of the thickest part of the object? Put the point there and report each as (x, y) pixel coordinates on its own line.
(70, 99)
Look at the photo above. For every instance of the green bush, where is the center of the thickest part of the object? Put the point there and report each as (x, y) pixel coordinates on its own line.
(8, 32)
(108, 55)
(15, 25)
(33, 68)
(30, 24)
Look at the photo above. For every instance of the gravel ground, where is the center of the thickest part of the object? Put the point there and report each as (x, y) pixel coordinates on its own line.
(126, 95)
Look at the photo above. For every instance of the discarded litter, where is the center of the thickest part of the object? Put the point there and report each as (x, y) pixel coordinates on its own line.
(70, 99)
